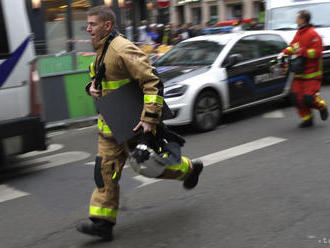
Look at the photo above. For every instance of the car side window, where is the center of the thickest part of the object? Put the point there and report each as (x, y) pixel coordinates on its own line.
(270, 44)
(247, 47)
(4, 48)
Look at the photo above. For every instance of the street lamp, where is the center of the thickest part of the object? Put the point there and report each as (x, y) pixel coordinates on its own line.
(108, 3)
(36, 4)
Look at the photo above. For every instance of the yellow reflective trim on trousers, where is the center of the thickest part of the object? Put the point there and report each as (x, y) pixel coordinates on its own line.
(290, 49)
(153, 99)
(112, 85)
(92, 70)
(310, 75)
(307, 117)
(183, 167)
(319, 100)
(103, 127)
(105, 212)
(114, 176)
(311, 53)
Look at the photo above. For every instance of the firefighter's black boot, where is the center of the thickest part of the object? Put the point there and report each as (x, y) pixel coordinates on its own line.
(98, 227)
(324, 114)
(192, 180)
(307, 123)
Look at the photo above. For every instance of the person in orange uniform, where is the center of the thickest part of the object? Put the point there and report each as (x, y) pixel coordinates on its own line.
(124, 64)
(307, 44)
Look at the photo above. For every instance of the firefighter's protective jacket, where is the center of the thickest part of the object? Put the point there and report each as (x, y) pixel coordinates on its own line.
(310, 44)
(126, 63)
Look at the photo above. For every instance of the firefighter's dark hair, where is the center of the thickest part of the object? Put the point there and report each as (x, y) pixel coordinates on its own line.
(305, 14)
(103, 12)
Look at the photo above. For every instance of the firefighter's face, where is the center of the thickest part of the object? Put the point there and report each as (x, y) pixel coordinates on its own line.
(98, 28)
(300, 21)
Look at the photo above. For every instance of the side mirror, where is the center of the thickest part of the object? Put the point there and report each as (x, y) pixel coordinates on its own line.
(232, 60)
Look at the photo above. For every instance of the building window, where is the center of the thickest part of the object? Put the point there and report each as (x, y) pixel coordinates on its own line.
(235, 11)
(196, 15)
(213, 14)
(56, 25)
(4, 49)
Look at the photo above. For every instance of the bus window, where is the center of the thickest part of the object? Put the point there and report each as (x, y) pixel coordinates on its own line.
(4, 49)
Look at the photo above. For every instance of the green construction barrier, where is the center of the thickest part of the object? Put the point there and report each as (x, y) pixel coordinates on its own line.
(53, 65)
(79, 103)
(83, 61)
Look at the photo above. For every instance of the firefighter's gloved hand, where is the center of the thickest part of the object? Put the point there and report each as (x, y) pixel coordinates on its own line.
(280, 58)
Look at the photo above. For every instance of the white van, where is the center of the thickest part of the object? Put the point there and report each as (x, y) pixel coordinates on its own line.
(281, 15)
(21, 126)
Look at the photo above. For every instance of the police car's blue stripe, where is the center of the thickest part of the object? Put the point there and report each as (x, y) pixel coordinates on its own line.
(250, 82)
(8, 65)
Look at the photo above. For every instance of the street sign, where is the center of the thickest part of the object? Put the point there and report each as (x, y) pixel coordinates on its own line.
(163, 3)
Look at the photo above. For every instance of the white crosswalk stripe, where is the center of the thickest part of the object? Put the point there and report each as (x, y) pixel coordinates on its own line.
(7, 193)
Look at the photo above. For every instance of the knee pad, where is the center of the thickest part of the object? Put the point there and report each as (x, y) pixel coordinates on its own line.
(294, 100)
(309, 101)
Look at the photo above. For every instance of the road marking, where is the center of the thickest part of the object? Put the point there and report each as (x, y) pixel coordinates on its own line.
(52, 161)
(51, 148)
(223, 155)
(240, 150)
(145, 180)
(7, 193)
(55, 134)
(274, 114)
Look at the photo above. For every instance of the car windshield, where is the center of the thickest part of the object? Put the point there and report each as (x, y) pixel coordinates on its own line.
(191, 53)
(284, 18)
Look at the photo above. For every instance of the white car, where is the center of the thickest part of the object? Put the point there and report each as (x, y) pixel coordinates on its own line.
(207, 76)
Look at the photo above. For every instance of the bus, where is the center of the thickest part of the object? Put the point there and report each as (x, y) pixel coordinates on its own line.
(21, 126)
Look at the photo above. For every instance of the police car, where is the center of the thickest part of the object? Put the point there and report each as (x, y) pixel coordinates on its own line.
(207, 76)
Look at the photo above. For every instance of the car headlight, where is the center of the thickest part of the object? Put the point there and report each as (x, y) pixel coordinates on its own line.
(175, 92)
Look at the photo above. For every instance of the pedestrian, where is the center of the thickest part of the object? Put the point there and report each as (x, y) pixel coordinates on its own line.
(124, 63)
(307, 47)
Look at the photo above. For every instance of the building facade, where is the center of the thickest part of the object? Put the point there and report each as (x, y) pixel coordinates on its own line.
(59, 26)
(212, 11)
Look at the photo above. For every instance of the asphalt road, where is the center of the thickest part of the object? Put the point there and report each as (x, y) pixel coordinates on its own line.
(266, 185)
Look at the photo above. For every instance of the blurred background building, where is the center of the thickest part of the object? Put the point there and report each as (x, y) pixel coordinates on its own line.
(60, 25)
(204, 11)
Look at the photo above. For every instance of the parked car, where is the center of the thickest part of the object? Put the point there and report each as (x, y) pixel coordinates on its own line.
(207, 76)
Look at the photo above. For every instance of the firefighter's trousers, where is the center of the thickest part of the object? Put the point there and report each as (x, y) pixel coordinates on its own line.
(109, 164)
(306, 96)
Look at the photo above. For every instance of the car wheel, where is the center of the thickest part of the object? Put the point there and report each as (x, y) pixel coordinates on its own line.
(207, 111)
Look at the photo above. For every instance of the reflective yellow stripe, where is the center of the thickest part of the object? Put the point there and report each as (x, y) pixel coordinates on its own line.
(103, 127)
(105, 212)
(112, 85)
(311, 53)
(307, 117)
(91, 70)
(290, 49)
(319, 100)
(153, 99)
(114, 176)
(310, 75)
(183, 167)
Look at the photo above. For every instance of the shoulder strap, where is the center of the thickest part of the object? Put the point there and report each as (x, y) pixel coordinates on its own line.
(99, 65)
(111, 37)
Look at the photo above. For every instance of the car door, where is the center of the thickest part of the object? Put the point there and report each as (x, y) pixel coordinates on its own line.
(271, 80)
(241, 75)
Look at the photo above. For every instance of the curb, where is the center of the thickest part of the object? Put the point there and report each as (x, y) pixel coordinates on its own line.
(71, 123)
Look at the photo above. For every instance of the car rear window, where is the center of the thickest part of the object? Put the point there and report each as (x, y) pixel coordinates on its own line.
(4, 48)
